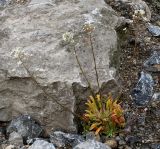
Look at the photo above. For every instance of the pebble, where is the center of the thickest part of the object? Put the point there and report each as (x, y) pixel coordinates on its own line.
(10, 147)
(15, 138)
(118, 138)
(91, 135)
(153, 62)
(112, 143)
(41, 144)
(26, 126)
(122, 142)
(143, 91)
(91, 144)
(127, 147)
(154, 30)
(61, 139)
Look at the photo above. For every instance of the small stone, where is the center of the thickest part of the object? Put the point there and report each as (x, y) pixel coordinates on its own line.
(154, 30)
(26, 126)
(15, 138)
(127, 130)
(25, 147)
(145, 146)
(118, 138)
(112, 143)
(143, 91)
(122, 142)
(2, 136)
(155, 100)
(127, 147)
(158, 23)
(155, 146)
(91, 144)
(61, 139)
(10, 147)
(153, 62)
(131, 140)
(147, 39)
(41, 144)
(91, 135)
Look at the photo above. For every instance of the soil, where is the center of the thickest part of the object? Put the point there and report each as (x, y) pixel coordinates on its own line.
(136, 45)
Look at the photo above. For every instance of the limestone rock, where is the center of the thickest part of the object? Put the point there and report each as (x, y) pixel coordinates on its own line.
(154, 30)
(153, 62)
(15, 138)
(91, 144)
(143, 91)
(62, 140)
(10, 147)
(36, 27)
(41, 144)
(91, 136)
(26, 127)
(112, 143)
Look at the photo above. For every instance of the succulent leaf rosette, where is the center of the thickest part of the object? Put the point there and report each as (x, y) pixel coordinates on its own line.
(103, 115)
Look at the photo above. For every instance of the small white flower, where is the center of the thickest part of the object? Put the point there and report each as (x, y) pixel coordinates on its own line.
(39, 70)
(145, 19)
(88, 28)
(125, 29)
(135, 12)
(141, 12)
(68, 37)
(19, 53)
(13, 70)
(16, 52)
(19, 63)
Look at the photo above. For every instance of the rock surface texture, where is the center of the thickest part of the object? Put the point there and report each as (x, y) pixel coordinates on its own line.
(36, 27)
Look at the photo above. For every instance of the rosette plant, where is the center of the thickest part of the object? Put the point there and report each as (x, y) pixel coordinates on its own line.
(104, 116)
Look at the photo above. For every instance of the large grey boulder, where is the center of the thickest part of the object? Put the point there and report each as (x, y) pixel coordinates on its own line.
(36, 27)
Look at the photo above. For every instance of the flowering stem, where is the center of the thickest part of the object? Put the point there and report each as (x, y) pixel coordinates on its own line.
(95, 65)
(79, 64)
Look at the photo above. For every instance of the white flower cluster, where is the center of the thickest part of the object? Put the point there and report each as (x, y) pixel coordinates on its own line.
(68, 37)
(19, 52)
(140, 13)
(16, 52)
(88, 28)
